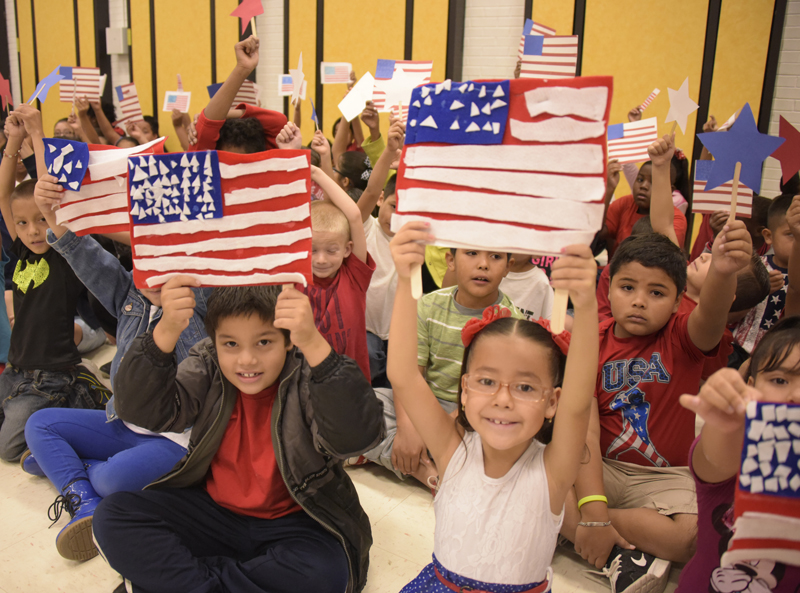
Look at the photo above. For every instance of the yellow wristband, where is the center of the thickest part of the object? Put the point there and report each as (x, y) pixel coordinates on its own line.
(593, 498)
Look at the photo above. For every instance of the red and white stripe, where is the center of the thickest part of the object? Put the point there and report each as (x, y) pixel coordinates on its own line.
(559, 59)
(650, 98)
(403, 116)
(629, 440)
(85, 83)
(248, 93)
(632, 147)
(719, 198)
(420, 70)
(129, 105)
(340, 72)
(537, 29)
(263, 237)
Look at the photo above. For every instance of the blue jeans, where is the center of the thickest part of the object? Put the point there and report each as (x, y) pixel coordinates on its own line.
(25, 392)
(64, 442)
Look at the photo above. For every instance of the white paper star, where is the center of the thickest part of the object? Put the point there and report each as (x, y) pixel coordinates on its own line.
(297, 79)
(399, 88)
(681, 105)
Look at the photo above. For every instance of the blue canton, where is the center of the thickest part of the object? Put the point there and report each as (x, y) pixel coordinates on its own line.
(67, 161)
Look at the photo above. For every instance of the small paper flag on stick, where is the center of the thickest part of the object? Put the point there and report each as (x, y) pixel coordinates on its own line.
(180, 83)
(247, 11)
(45, 85)
(314, 117)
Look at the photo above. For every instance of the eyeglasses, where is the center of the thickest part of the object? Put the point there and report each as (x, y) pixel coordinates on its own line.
(527, 392)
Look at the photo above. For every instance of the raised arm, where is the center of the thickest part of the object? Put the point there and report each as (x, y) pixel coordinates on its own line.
(793, 290)
(15, 134)
(109, 133)
(350, 209)
(48, 195)
(246, 61)
(341, 140)
(662, 211)
(322, 146)
(180, 122)
(82, 111)
(608, 233)
(377, 179)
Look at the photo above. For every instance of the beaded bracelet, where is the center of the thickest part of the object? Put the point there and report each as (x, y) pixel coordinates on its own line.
(594, 523)
(11, 156)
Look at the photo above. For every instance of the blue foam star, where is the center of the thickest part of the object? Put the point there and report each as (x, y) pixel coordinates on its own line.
(46, 84)
(743, 143)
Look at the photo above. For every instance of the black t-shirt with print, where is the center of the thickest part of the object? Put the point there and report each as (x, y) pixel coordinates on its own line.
(45, 298)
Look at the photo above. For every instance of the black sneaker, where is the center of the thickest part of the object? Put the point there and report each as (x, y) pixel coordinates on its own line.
(633, 571)
(106, 369)
(100, 390)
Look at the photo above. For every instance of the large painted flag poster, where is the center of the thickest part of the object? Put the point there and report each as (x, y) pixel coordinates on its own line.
(513, 165)
(227, 219)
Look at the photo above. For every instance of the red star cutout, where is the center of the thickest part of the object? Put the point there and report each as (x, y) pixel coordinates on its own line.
(247, 10)
(788, 153)
(5, 92)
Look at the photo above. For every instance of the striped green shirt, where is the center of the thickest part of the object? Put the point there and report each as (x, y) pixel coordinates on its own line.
(439, 347)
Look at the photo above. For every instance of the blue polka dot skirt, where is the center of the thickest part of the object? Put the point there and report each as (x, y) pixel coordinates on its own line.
(428, 582)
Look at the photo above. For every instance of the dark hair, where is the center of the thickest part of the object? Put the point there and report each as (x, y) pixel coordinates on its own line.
(391, 187)
(336, 125)
(315, 158)
(245, 134)
(153, 121)
(680, 168)
(127, 139)
(23, 191)
(775, 347)
(651, 251)
(63, 120)
(509, 326)
(791, 186)
(235, 301)
(355, 166)
(453, 251)
(777, 211)
(108, 111)
(760, 210)
(752, 285)
(643, 226)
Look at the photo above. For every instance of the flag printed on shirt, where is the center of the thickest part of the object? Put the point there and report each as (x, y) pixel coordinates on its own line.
(335, 72)
(532, 28)
(247, 93)
(767, 501)
(719, 198)
(128, 104)
(517, 166)
(78, 82)
(549, 57)
(100, 202)
(419, 71)
(224, 218)
(628, 142)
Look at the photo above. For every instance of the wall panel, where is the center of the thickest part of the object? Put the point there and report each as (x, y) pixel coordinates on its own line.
(430, 35)
(26, 54)
(140, 54)
(557, 14)
(86, 33)
(303, 38)
(228, 33)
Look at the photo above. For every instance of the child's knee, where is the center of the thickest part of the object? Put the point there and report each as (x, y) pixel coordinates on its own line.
(686, 531)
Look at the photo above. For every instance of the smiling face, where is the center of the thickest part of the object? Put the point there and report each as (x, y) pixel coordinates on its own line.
(29, 224)
(328, 250)
(642, 300)
(782, 384)
(251, 352)
(641, 189)
(478, 275)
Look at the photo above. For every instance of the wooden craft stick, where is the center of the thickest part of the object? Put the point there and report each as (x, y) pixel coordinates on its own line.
(735, 192)
(674, 127)
(416, 281)
(559, 314)
(36, 94)
(253, 27)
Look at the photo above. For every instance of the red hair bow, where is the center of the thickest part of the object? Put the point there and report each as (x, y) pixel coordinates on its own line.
(680, 155)
(561, 340)
(473, 326)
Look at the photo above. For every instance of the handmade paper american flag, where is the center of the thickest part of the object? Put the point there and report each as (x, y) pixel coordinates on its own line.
(335, 72)
(78, 82)
(247, 93)
(628, 142)
(516, 166)
(532, 28)
(128, 104)
(549, 57)
(767, 501)
(719, 198)
(419, 71)
(227, 219)
(179, 100)
(285, 85)
(100, 204)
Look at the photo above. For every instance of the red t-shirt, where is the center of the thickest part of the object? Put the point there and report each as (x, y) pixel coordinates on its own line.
(622, 215)
(638, 385)
(244, 475)
(340, 308)
(208, 129)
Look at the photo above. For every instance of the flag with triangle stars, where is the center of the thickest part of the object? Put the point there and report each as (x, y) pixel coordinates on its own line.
(227, 219)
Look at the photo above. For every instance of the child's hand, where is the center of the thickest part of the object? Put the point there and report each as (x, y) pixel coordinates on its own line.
(710, 125)
(179, 119)
(81, 105)
(775, 281)
(732, 248)
(408, 247)
(293, 312)
(635, 114)
(96, 106)
(352, 82)
(612, 176)
(289, 137)
(661, 151)
(518, 68)
(717, 221)
(75, 124)
(247, 54)
(191, 131)
(793, 217)
(397, 136)
(370, 116)
(32, 119)
(177, 304)
(15, 127)
(576, 271)
(722, 400)
(135, 132)
(320, 144)
(48, 193)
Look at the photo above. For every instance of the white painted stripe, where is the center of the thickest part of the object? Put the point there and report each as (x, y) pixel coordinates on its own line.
(534, 211)
(754, 525)
(248, 195)
(81, 224)
(95, 190)
(262, 166)
(556, 129)
(290, 238)
(588, 102)
(589, 189)
(574, 158)
(232, 222)
(187, 262)
(495, 236)
(108, 163)
(97, 206)
(222, 280)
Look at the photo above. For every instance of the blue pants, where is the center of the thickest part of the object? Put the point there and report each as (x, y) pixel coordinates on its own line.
(61, 440)
(181, 540)
(25, 392)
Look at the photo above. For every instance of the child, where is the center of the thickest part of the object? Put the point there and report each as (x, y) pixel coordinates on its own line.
(639, 437)
(262, 503)
(500, 502)
(528, 288)
(44, 363)
(122, 456)
(716, 454)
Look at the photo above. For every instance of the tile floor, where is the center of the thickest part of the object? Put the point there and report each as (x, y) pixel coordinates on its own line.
(401, 515)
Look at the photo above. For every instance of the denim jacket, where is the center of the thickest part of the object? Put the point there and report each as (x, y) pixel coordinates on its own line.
(113, 286)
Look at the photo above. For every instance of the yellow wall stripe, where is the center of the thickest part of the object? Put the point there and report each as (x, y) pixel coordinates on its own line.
(303, 38)
(86, 30)
(430, 35)
(140, 50)
(27, 67)
(227, 36)
(557, 14)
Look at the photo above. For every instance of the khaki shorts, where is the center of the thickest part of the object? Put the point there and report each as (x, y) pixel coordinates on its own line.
(668, 490)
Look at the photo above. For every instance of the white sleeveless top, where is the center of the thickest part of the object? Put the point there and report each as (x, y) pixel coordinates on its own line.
(496, 530)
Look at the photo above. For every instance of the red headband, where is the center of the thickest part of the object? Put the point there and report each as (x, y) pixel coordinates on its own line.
(561, 340)
(496, 312)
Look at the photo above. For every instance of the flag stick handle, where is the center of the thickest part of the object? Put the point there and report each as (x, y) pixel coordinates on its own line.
(674, 127)
(559, 314)
(253, 27)
(735, 192)
(416, 281)
(36, 94)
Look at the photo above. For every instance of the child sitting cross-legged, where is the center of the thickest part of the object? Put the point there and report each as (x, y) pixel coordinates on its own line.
(508, 460)
(262, 503)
